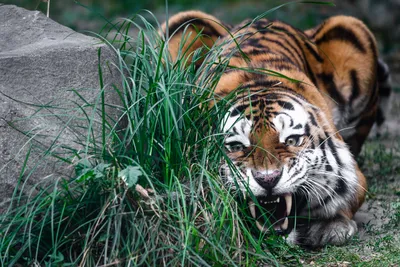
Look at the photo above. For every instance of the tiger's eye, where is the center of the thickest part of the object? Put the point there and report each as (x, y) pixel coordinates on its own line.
(234, 146)
(237, 148)
(291, 142)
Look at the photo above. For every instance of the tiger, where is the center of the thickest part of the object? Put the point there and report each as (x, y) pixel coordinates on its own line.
(292, 132)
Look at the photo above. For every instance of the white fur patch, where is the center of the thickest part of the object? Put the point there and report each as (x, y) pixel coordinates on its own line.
(239, 126)
(286, 120)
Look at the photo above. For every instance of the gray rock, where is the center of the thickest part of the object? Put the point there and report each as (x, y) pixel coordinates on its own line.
(40, 62)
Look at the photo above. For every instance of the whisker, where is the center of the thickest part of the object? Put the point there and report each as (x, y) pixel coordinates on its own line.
(338, 131)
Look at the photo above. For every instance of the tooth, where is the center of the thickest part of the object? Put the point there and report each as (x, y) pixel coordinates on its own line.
(285, 224)
(288, 199)
(262, 228)
(277, 201)
(252, 208)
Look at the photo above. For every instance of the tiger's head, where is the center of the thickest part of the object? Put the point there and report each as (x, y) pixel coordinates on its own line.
(282, 148)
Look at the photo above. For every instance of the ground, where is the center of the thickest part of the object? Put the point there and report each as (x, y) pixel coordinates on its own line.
(378, 240)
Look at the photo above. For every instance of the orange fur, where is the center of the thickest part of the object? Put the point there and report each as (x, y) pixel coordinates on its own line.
(334, 65)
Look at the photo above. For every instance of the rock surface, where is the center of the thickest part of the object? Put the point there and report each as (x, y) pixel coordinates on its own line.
(40, 62)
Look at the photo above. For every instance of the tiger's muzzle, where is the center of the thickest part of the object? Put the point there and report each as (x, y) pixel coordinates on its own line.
(267, 180)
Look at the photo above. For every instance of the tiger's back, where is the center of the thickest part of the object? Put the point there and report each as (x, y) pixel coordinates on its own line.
(307, 91)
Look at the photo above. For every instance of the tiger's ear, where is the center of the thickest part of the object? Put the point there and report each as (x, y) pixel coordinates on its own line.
(189, 31)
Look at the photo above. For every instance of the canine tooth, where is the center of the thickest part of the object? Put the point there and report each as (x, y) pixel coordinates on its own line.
(285, 224)
(252, 208)
(288, 199)
(262, 228)
(277, 200)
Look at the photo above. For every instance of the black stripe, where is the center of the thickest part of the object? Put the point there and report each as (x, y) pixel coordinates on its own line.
(292, 37)
(343, 34)
(250, 52)
(320, 27)
(259, 83)
(270, 96)
(313, 52)
(280, 63)
(325, 201)
(254, 42)
(287, 92)
(322, 146)
(380, 117)
(341, 187)
(311, 74)
(327, 79)
(286, 89)
(235, 112)
(382, 72)
(275, 96)
(371, 42)
(355, 91)
(195, 22)
(261, 24)
(307, 130)
(298, 126)
(366, 121)
(332, 146)
(328, 167)
(312, 118)
(238, 110)
(284, 32)
(297, 57)
(298, 171)
(385, 91)
(284, 59)
(291, 120)
(285, 105)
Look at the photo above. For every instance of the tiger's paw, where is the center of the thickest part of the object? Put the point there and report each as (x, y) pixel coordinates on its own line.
(320, 233)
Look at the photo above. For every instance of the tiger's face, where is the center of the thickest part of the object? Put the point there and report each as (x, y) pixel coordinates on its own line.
(282, 146)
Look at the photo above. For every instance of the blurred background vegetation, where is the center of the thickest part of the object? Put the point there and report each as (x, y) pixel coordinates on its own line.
(383, 17)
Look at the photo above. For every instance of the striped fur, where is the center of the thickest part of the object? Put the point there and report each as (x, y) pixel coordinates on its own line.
(294, 140)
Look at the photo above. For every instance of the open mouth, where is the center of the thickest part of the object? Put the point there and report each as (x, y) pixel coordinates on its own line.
(274, 212)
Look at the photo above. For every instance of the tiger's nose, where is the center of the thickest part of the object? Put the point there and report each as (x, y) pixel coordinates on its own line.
(267, 179)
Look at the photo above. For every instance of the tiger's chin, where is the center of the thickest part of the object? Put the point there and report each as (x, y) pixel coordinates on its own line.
(272, 213)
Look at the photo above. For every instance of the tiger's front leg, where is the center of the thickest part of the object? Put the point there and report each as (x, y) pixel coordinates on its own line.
(318, 233)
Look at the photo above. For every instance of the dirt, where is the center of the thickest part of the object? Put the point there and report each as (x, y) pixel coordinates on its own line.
(379, 217)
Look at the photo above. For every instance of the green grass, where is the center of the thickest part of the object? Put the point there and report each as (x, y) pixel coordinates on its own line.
(166, 141)
(381, 162)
